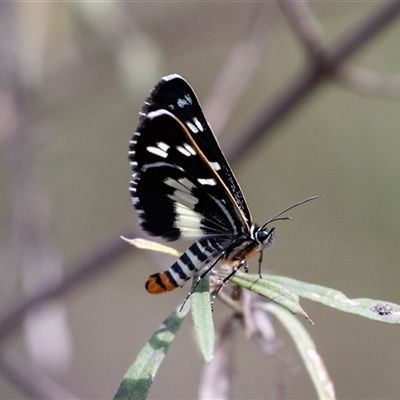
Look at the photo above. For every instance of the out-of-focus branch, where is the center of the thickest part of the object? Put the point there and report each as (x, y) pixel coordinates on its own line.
(217, 375)
(306, 26)
(309, 31)
(238, 68)
(96, 261)
(33, 248)
(284, 102)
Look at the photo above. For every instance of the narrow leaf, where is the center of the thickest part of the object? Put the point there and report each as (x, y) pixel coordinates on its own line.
(308, 352)
(139, 377)
(377, 310)
(273, 291)
(202, 318)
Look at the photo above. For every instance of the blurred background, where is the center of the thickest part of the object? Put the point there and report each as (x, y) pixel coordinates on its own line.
(73, 77)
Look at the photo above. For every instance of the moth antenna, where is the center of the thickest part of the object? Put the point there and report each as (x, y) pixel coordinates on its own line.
(275, 218)
(282, 219)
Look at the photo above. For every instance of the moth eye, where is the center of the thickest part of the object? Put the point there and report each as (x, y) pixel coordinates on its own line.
(266, 238)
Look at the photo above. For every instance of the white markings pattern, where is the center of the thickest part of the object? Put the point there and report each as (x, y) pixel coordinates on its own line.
(210, 182)
(190, 149)
(185, 199)
(187, 221)
(198, 124)
(215, 165)
(184, 185)
(157, 151)
(252, 231)
(145, 167)
(183, 151)
(187, 100)
(160, 150)
(186, 150)
(163, 146)
(192, 127)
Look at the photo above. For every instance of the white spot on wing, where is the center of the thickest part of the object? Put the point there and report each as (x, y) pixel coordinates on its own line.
(215, 165)
(184, 198)
(190, 149)
(187, 100)
(183, 151)
(185, 182)
(210, 182)
(179, 185)
(163, 146)
(188, 221)
(198, 124)
(159, 164)
(182, 103)
(157, 151)
(192, 127)
(171, 77)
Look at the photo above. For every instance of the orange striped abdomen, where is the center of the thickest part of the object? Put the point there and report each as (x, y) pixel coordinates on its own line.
(160, 283)
(184, 268)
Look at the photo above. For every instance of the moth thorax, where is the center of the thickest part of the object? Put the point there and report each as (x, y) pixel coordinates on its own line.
(265, 237)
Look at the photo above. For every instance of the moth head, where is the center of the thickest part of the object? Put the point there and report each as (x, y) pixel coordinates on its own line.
(264, 237)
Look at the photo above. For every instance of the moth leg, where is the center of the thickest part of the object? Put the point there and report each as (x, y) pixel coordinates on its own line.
(245, 266)
(260, 258)
(202, 276)
(226, 279)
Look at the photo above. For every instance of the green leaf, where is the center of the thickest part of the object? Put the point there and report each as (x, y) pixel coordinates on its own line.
(273, 291)
(202, 318)
(308, 352)
(139, 377)
(377, 310)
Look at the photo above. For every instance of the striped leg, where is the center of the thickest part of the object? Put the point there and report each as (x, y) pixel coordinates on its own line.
(184, 268)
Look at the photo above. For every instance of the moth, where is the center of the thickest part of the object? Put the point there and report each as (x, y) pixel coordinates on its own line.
(183, 188)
